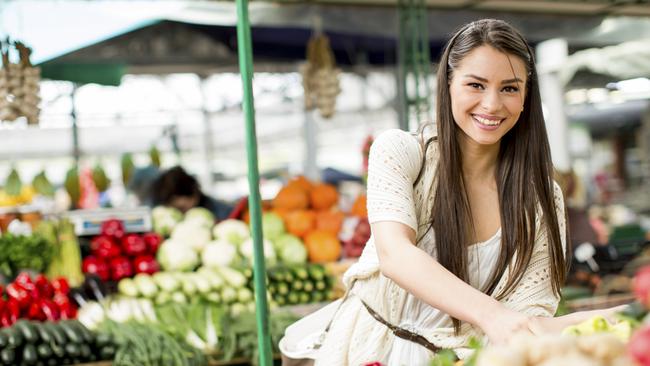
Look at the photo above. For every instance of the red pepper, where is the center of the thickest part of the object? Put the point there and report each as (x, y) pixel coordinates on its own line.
(61, 286)
(60, 299)
(5, 319)
(50, 309)
(96, 266)
(12, 309)
(153, 242)
(133, 245)
(25, 281)
(68, 311)
(19, 294)
(3, 304)
(146, 264)
(106, 248)
(35, 312)
(44, 286)
(113, 228)
(120, 268)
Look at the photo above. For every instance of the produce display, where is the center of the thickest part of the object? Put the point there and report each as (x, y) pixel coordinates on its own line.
(66, 259)
(24, 252)
(116, 254)
(36, 299)
(299, 284)
(65, 342)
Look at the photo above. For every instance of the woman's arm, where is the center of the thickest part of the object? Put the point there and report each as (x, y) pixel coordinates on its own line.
(420, 274)
(541, 325)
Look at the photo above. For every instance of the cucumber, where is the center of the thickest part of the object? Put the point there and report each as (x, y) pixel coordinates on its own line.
(57, 350)
(14, 337)
(29, 331)
(86, 334)
(44, 351)
(43, 333)
(72, 350)
(52, 362)
(107, 353)
(7, 356)
(58, 335)
(103, 339)
(29, 354)
(85, 352)
(71, 333)
(3, 340)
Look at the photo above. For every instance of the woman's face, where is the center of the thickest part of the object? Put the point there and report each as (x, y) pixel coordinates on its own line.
(487, 94)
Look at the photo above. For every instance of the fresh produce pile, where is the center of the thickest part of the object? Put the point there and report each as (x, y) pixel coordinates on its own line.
(299, 284)
(65, 342)
(37, 299)
(23, 252)
(221, 285)
(116, 254)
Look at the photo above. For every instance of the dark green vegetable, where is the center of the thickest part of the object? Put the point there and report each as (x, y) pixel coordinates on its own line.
(44, 351)
(57, 333)
(72, 350)
(14, 337)
(29, 354)
(71, 333)
(28, 330)
(43, 333)
(107, 353)
(18, 254)
(7, 356)
(3, 340)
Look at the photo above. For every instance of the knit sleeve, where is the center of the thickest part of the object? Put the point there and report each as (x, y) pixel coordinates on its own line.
(534, 295)
(394, 163)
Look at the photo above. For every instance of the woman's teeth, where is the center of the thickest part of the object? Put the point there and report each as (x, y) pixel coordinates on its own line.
(487, 122)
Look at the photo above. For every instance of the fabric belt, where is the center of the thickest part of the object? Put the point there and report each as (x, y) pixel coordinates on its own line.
(401, 332)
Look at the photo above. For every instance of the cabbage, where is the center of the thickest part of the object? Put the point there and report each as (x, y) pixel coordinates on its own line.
(192, 234)
(290, 249)
(272, 225)
(246, 250)
(174, 256)
(232, 231)
(164, 219)
(200, 215)
(218, 253)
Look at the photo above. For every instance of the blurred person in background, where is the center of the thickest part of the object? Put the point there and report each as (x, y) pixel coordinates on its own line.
(178, 189)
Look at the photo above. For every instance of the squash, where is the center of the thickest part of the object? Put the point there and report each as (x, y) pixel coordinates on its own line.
(322, 246)
(329, 220)
(359, 207)
(291, 198)
(323, 196)
(300, 222)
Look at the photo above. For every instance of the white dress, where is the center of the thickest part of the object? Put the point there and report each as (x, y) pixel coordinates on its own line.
(355, 337)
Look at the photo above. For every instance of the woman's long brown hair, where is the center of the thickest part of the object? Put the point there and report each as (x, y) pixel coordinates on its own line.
(523, 175)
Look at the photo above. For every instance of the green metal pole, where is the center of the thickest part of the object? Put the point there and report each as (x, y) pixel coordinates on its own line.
(244, 48)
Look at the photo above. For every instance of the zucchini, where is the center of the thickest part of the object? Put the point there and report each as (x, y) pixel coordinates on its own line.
(3, 340)
(86, 334)
(58, 335)
(29, 354)
(14, 337)
(43, 332)
(52, 362)
(72, 350)
(28, 329)
(44, 351)
(7, 356)
(103, 339)
(71, 333)
(107, 353)
(85, 352)
(57, 350)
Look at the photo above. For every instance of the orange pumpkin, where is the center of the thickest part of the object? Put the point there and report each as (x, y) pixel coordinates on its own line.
(301, 182)
(300, 222)
(323, 196)
(291, 198)
(329, 221)
(359, 207)
(282, 212)
(322, 246)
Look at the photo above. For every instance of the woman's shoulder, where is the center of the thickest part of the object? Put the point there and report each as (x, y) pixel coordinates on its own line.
(407, 143)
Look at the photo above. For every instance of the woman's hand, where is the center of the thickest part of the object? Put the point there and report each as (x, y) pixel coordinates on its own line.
(501, 325)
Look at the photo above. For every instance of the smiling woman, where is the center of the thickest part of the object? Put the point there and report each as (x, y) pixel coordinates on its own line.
(468, 227)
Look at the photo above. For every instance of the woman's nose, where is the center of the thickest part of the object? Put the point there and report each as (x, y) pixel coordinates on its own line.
(491, 101)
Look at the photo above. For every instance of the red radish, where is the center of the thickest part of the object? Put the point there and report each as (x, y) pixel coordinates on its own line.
(107, 249)
(96, 266)
(146, 264)
(641, 286)
(639, 346)
(133, 245)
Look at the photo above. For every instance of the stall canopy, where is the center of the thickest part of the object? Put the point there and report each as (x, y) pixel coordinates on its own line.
(136, 37)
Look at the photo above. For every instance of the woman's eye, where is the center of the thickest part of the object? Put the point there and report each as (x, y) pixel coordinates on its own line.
(511, 89)
(475, 85)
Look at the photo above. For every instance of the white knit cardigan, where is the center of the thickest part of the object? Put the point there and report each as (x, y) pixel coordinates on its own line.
(355, 337)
